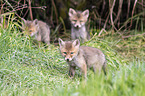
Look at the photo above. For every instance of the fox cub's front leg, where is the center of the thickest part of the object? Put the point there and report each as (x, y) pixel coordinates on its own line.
(72, 71)
(84, 70)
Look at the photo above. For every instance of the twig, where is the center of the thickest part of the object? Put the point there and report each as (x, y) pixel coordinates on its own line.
(31, 16)
(132, 35)
(2, 8)
(55, 11)
(133, 12)
(51, 17)
(128, 9)
(141, 3)
(119, 10)
(106, 21)
(111, 12)
(63, 24)
(26, 13)
(14, 9)
(95, 17)
(103, 7)
(101, 31)
(17, 9)
(128, 20)
(97, 13)
(42, 7)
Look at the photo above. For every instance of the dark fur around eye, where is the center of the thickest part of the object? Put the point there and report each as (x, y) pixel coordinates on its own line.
(30, 30)
(64, 52)
(74, 20)
(81, 21)
(72, 53)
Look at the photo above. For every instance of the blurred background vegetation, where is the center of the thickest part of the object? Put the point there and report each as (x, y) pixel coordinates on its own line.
(108, 14)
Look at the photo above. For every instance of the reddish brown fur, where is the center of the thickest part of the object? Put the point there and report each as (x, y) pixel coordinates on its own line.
(78, 20)
(29, 27)
(83, 57)
(68, 49)
(68, 46)
(39, 29)
(78, 16)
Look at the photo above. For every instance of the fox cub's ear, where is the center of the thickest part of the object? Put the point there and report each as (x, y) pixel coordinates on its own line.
(35, 22)
(76, 43)
(71, 12)
(86, 13)
(61, 42)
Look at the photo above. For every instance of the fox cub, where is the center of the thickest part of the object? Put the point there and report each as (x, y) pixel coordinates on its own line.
(36, 28)
(82, 57)
(78, 20)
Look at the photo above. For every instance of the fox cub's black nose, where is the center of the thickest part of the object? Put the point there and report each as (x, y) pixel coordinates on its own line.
(67, 59)
(77, 26)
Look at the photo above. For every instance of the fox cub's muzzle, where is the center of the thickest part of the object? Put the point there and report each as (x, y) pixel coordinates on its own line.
(68, 58)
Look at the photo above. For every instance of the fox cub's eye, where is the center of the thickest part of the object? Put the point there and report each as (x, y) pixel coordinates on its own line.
(75, 20)
(30, 30)
(72, 53)
(81, 21)
(64, 52)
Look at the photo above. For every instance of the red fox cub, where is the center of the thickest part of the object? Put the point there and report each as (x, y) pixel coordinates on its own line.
(39, 29)
(78, 20)
(82, 57)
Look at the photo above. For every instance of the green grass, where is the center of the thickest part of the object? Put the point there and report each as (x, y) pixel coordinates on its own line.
(26, 70)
